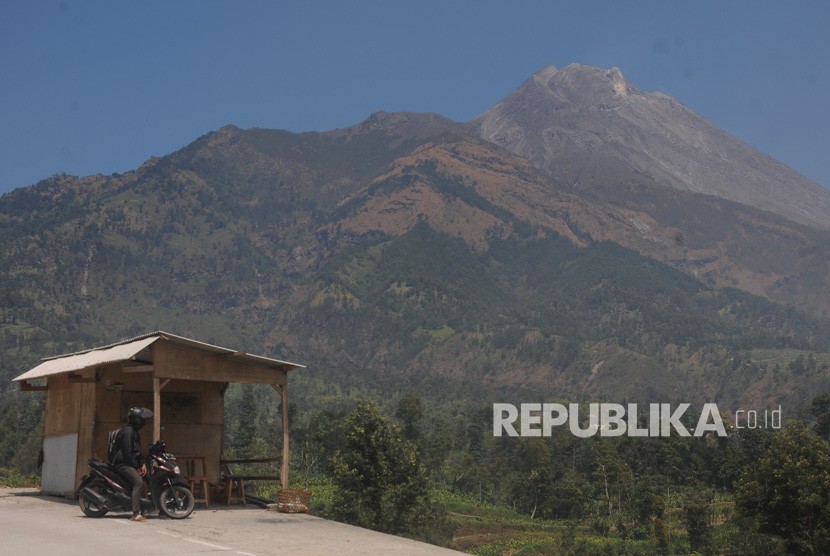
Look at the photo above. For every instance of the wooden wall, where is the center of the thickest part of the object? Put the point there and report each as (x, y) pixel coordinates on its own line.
(192, 413)
(171, 361)
(70, 409)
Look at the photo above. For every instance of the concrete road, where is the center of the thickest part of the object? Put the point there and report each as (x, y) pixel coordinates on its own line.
(38, 525)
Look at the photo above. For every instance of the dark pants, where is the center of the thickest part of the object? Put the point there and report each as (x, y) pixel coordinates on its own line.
(136, 482)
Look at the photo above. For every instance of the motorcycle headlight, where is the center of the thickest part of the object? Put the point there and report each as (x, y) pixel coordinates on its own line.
(176, 470)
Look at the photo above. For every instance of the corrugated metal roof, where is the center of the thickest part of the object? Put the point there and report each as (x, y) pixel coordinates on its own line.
(78, 361)
(127, 349)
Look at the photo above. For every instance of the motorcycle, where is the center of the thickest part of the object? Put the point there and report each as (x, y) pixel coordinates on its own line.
(104, 489)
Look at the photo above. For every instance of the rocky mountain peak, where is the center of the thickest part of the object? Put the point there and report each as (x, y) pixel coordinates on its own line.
(584, 125)
(545, 74)
(618, 82)
(584, 85)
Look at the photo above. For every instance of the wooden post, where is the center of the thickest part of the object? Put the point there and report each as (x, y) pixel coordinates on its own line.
(86, 426)
(156, 409)
(154, 350)
(158, 385)
(285, 453)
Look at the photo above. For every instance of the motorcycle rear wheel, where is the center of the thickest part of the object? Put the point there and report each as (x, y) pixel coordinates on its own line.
(168, 505)
(90, 507)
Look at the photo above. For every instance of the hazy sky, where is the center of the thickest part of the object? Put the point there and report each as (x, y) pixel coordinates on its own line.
(92, 87)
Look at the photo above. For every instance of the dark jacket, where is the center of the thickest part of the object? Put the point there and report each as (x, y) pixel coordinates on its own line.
(129, 452)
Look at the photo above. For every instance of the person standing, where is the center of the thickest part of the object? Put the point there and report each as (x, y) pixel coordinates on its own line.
(127, 459)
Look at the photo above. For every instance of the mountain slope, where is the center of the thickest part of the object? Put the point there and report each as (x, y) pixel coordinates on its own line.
(400, 251)
(585, 126)
(723, 243)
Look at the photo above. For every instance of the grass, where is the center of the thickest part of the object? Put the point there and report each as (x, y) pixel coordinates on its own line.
(489, 529)
(13, 479)
(784, 357)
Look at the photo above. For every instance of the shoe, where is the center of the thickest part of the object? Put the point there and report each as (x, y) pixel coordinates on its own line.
(138, 517)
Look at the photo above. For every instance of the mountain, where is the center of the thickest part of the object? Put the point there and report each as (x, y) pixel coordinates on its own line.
(584, 125)
(406, 252)
(409, 252)
(688, 187)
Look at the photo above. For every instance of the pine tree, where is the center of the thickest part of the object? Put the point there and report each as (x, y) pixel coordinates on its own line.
(246, 429)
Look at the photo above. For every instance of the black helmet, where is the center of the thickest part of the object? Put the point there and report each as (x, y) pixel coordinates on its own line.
(138, 416)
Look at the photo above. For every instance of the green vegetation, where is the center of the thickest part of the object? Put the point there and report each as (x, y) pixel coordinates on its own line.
(753, 492)
(10, 478)
(788, 492)
(379, 481)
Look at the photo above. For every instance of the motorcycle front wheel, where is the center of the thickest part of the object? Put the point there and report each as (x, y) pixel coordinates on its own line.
(179, 506)
(90, 507)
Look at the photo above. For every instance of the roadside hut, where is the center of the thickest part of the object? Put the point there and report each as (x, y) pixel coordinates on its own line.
(183, 381)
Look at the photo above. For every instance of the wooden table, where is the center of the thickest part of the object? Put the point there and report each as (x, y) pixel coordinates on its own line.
(235, 482)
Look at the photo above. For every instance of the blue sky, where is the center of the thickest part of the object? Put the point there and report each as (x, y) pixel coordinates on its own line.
(100, 86)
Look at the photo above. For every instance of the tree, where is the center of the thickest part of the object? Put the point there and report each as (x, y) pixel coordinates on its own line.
(532, 476)
(698, 513)
(245, 432)
(410, 412)
(380, 483)
(788, 491)
(798, 367)
(820, 410)
(661, 532)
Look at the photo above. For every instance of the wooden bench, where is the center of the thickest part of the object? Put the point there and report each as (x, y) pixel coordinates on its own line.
(235, 482)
